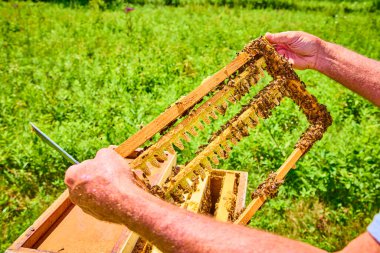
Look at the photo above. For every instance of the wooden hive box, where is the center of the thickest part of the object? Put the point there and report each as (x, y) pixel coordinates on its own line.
(64, 227)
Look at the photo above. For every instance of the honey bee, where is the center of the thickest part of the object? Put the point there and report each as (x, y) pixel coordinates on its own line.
(179, 144)
(221, 109)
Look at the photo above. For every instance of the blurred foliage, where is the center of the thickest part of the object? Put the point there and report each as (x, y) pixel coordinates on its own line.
(91, 76)
(325, 5)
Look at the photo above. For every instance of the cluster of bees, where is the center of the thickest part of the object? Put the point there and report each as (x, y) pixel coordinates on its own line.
(285, 83)
(268, 188)
(316, 114)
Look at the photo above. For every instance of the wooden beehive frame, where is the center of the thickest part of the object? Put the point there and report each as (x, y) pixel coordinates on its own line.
(189, 186)
(227, 85)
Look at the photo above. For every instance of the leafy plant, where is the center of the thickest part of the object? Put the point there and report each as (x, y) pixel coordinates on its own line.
(91, 78)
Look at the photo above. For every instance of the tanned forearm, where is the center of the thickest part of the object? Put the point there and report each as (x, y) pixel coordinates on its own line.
(172, 229)
(363, 243)
(356, 72)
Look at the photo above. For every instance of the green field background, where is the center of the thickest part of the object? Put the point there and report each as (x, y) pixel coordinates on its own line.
(90, 75)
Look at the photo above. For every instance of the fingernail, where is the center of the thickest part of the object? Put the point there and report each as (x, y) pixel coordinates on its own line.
(69, 182)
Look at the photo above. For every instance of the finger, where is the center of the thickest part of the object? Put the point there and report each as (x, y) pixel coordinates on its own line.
(91, 212)
(102, 152)
(282, 38)
(291, 60)
(73, 172)
(112, 146)
(72, 197)
(281, 48)
(269, 36)
(106, 152)
(75, 199)
(287, 55)
(70, 175)
(282, 52)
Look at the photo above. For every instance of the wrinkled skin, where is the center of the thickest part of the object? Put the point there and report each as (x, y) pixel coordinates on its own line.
(97, 185)
(300, 48)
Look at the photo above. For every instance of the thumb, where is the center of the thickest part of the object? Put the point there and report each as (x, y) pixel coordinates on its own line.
(70, 175)
(269, 36)
(280, 38)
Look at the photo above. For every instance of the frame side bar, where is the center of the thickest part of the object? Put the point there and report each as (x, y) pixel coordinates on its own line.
(257, 202)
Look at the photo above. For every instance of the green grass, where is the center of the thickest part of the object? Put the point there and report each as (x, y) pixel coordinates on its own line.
(90, 79)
